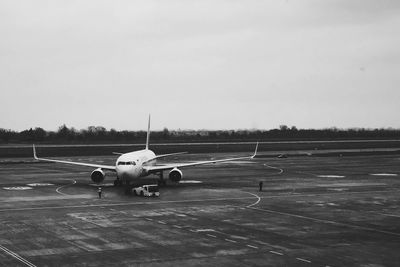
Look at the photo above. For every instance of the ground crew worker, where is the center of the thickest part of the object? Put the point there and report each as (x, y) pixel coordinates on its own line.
(99, 191)
(260, 184)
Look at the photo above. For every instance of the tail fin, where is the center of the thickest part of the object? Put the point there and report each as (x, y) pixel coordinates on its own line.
(148, 134)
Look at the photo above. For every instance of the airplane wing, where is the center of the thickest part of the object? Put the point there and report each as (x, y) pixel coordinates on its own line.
(154, 169)
(171, 154)
(104, 167)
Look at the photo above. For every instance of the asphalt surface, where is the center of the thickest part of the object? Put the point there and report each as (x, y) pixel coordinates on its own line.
(313, 211)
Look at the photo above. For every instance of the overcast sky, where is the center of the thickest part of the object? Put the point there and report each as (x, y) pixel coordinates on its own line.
(199, 64)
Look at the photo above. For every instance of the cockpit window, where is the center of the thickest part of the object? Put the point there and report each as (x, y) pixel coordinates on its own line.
(126, 163)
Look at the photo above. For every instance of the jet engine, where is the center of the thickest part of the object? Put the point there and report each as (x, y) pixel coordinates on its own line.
(175, 175)
(98, 175)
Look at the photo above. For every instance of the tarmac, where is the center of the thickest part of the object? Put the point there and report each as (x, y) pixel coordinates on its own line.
(312, 211)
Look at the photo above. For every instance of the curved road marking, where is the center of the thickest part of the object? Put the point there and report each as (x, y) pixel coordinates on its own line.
(255, 203)
(258, 197)
(16, 256)
(272, 167)
(59, 188)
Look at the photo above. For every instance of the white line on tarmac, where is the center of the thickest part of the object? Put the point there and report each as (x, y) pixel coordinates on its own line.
(124, 204)
(188, 201)
(262, 243)
(162, 222)
(276, 168)
(58, 188)
(276, 253)
(255, 203)
(250, 246)
(212, 235)
(148, 219)
(177, 226)
(304, 260)
(230, 240)
(328, 221)
(193, 231)
(16, 256)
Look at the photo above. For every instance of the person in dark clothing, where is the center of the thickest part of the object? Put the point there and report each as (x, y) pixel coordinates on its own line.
(99, 191)
(260, 185)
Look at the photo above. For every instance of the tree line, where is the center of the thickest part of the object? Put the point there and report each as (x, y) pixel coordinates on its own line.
(99, 134)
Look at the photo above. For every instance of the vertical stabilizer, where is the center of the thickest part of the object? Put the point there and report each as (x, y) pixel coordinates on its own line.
(148, 134)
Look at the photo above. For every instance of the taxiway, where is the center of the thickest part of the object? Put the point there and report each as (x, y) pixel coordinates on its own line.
(313, 211)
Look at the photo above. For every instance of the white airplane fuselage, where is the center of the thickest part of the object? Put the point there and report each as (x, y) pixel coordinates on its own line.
(129, 166)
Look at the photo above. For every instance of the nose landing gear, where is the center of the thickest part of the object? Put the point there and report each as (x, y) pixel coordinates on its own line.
(117, 182)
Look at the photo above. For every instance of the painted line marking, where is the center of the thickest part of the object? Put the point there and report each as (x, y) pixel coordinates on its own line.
(162, 222)
(212, 235)
(328, 221)
(304, 260)
(260, 242)
(276, 253)
(255, 203)
(276, 168)
(16, 256)
(230, 240)
(193, 231)
(189, 201)
(177, 226)
(250, 246)
(123, 212)
(59, 188)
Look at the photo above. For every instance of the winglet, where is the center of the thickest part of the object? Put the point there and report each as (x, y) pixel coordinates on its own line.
(34, 152)
(148, 134)
(255, 152)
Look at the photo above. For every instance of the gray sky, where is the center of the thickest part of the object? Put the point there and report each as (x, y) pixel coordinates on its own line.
(199, 64)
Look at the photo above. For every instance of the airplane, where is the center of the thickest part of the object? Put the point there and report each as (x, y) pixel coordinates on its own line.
(132, 166)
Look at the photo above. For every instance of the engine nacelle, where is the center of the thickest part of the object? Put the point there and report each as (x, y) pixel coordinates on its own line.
(175, 175)
(98, 176)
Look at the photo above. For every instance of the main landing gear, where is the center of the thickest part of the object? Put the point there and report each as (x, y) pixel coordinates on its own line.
(161, 181)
